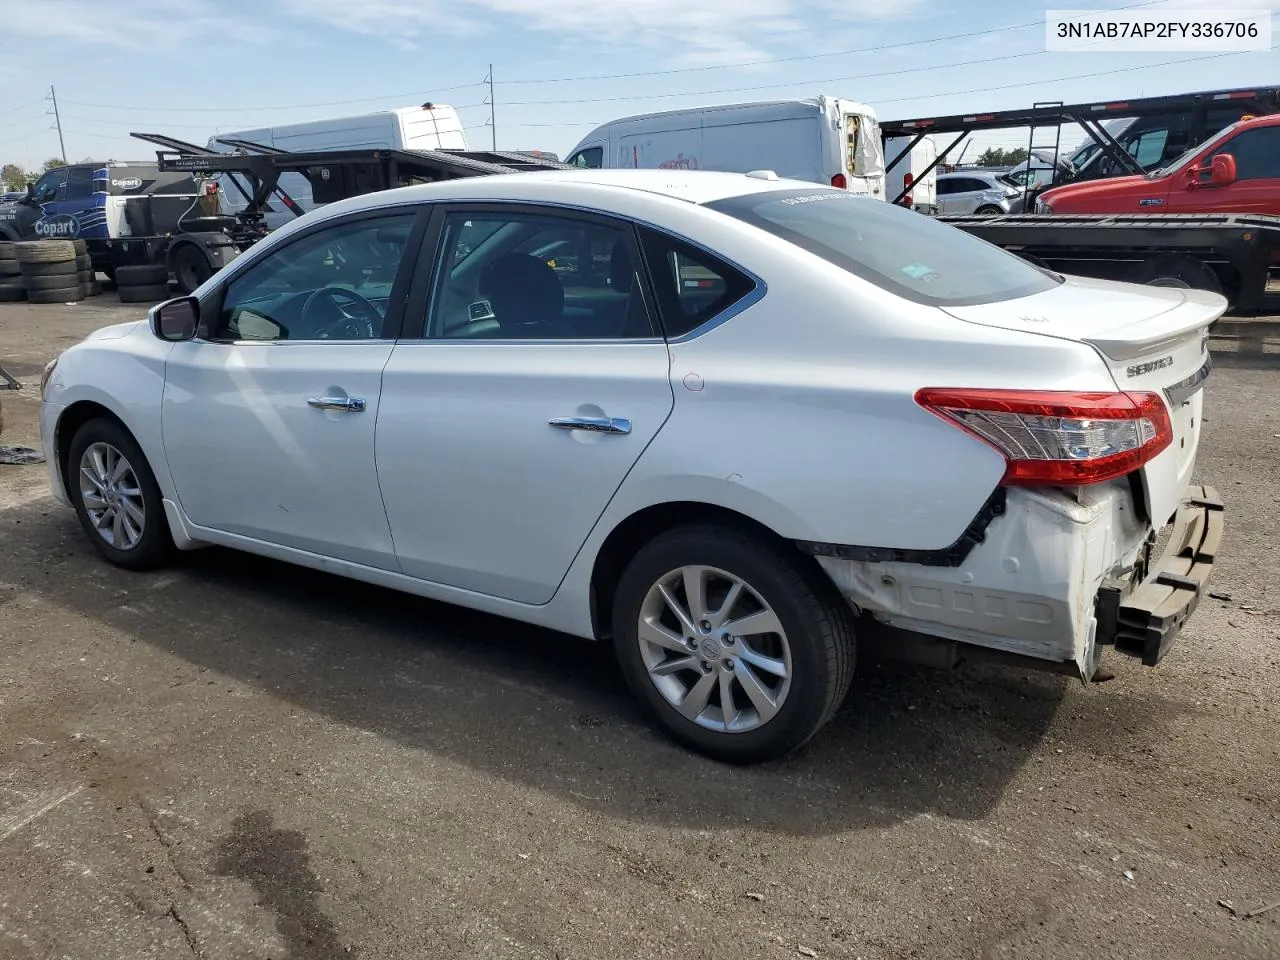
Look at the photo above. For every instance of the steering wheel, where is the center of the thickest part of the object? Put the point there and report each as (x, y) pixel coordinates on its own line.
(346, 327)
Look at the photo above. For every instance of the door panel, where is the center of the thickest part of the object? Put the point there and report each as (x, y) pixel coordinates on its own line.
(1257, 186)
(269, 415)
(532, 314)
(250, 456)
(482, 492)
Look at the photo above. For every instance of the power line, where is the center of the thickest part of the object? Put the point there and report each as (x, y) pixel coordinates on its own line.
(956, 93)
(25, 106)
(809, 56)
(789, 83)
(295, 106)
(615, 76)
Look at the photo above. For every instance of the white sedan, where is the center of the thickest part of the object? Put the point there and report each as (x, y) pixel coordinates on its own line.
(728, 423)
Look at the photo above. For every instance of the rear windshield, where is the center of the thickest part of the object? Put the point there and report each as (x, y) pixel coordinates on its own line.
(906, 253)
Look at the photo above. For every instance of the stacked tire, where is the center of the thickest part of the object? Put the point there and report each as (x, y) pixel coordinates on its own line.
(143, 284)
(11, 288)
(89, 285)
(49, 271)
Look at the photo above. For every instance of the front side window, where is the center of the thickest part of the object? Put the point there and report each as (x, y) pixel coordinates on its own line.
(79, 183)
(334, 284)
(591, 158)
(915, 257)
(1257, 153)
(49, 186)
(536, 276)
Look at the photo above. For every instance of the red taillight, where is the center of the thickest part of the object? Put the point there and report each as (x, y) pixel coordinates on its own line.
(907, 181)
(1058, 438)
(839, 180)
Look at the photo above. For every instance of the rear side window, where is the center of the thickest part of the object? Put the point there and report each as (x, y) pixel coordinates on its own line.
(692, 286)
(901, 251)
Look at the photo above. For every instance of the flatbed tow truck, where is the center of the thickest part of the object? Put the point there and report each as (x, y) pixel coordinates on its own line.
(1234, 254)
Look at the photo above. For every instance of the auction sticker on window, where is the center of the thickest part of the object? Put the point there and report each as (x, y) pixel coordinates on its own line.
(1153, 31)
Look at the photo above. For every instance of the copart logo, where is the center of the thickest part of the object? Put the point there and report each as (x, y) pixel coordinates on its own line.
(1138, 369)
(59, 225)
(128, 183)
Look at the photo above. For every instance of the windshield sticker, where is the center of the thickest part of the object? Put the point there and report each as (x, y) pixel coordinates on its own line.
(918, 271)
(814, 198)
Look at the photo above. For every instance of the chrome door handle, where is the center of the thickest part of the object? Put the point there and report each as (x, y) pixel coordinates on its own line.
(351, 404)
(593, 424)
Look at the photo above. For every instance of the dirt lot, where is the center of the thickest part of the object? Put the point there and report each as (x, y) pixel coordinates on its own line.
(238, 759)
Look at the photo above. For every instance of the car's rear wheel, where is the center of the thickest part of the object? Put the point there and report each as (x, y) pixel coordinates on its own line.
(116, 496)
(738, 650)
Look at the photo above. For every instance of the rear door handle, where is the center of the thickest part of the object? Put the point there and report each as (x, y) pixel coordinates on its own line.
(593, 424)
(350, 404)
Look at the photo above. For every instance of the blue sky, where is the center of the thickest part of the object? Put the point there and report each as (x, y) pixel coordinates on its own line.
(191, 69)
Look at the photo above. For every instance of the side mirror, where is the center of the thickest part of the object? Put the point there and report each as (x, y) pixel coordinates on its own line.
(176, 320)
(1222, 171)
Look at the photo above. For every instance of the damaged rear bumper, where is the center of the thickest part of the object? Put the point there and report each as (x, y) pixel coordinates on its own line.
(1145, 621)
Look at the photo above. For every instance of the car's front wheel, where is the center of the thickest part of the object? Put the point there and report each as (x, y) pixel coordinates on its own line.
(116, 496)
(737, 648)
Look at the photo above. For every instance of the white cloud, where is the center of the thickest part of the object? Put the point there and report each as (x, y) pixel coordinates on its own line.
(686, 31)
(160, 27)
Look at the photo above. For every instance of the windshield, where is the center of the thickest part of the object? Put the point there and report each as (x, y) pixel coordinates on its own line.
(1190, 152)
(901, 251)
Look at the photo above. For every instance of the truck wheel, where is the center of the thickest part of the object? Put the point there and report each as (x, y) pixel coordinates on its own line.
(1184, 272)
(190, 268)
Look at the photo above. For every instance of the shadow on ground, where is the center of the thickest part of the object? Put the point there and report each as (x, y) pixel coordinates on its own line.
(550, 711)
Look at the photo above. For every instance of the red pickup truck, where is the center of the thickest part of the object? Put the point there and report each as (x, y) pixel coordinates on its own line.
(1236, 171)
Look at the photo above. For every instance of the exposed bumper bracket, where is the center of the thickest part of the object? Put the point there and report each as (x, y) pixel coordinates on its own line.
(1149, 619)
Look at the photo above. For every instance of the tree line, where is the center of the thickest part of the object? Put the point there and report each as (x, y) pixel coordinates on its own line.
(14, 177)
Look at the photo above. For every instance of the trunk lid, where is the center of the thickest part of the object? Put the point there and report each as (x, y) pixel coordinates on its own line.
(1151, 339)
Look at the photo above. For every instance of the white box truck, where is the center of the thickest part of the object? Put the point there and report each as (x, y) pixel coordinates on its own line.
(822, 139)
(426, 127)
(909, 173)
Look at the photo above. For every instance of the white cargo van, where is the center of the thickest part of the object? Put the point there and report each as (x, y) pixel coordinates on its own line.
(823, 139)
(427, 127)
(909, 172)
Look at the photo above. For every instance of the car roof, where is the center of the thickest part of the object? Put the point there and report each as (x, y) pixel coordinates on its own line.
(692, 186)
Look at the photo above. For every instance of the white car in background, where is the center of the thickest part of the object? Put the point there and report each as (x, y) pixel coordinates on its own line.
(731, 424)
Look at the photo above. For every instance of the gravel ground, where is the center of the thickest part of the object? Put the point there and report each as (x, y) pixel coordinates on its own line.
(238, 759)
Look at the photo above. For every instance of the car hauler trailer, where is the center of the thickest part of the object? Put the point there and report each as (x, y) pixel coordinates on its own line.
(1122, 137)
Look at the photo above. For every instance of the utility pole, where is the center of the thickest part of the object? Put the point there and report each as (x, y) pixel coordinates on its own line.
(493, 111)
(58, 122)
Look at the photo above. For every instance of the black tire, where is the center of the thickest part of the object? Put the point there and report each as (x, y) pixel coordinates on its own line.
(146, 275)
(95, 288)
(142, 294)
(85, 276)
(9, 267)
(1178, 271)
(59, 268)
(8, 250)
(190, 267)
(816, 620)
(10, 294)
(51, 283)
(45, 251)
(84, 261)
(56, 295)
(155, 546)
(987, 210)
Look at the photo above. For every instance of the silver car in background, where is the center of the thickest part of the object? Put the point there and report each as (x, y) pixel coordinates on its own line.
(976, 191)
